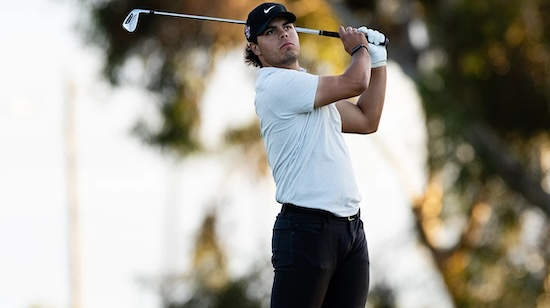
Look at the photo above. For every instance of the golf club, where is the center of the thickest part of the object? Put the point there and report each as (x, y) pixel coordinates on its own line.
(131, 21)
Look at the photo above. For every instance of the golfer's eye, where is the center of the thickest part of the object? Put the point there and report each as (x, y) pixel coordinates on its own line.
(269, 32)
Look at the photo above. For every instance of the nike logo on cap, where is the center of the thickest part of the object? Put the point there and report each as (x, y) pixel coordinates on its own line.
(268, 9)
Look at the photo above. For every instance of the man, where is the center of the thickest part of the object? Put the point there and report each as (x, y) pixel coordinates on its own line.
(320, 253)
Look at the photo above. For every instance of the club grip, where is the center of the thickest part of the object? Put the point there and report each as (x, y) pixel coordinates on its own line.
(329, 33)
(335, 34)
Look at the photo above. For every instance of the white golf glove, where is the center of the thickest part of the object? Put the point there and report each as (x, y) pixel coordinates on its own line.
(378, 53)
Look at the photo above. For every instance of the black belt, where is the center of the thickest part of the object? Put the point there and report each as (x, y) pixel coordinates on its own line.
(291, 208)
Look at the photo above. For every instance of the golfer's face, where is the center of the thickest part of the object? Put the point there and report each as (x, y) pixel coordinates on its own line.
(279, 44)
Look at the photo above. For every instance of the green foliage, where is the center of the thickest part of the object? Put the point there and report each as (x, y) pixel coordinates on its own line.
(496, 65)
(381, 296)
(489, 81)
(486, 95)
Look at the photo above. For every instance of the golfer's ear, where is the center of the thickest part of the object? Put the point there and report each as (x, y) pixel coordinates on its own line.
(255, 48)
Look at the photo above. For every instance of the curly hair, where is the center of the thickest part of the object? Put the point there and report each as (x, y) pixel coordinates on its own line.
(251, 58)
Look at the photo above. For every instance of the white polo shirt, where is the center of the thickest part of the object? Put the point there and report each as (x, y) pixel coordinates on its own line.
(305, 148)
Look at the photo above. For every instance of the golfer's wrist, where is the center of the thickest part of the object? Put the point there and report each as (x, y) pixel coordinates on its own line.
(358, 48)
(379, 64)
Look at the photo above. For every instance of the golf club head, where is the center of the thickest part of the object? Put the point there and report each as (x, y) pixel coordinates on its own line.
(131, 21)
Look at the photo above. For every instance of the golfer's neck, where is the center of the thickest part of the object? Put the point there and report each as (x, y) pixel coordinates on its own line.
(293, 66)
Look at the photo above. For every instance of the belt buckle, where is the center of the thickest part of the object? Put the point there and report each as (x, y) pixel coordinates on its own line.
(351, 218)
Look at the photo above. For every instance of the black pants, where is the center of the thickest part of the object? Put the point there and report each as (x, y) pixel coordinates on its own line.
(320, 260)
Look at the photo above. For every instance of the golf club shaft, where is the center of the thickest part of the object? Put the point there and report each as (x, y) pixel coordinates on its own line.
(233, 21)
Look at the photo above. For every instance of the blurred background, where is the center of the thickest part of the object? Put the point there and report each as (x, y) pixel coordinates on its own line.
(132, 173)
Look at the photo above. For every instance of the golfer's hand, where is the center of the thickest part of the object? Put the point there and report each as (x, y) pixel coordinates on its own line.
(351, 38)
(378, 52)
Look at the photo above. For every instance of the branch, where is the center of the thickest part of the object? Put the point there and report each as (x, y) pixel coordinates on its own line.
(504, 164)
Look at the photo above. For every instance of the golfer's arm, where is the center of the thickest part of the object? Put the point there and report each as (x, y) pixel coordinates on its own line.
(353, 82)
(364, 117)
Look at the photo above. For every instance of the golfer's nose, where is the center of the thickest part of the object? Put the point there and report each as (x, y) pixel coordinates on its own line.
(283, 33)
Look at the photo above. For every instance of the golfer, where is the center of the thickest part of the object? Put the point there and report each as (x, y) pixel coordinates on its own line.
(320, 253)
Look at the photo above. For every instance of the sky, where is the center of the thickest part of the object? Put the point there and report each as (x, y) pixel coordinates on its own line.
(139, 209)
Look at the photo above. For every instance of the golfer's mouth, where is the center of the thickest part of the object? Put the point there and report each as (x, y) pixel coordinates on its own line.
(287, 44)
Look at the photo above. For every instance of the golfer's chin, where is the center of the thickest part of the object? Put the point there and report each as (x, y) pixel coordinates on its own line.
(289, 58)
(291, 53)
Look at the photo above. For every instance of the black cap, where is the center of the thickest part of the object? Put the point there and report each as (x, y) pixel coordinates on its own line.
(261, 16)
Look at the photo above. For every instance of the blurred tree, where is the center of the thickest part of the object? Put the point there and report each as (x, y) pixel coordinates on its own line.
(381, 296)
(484, 78)
(483, 71)
(485, 83)
(174, 58)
